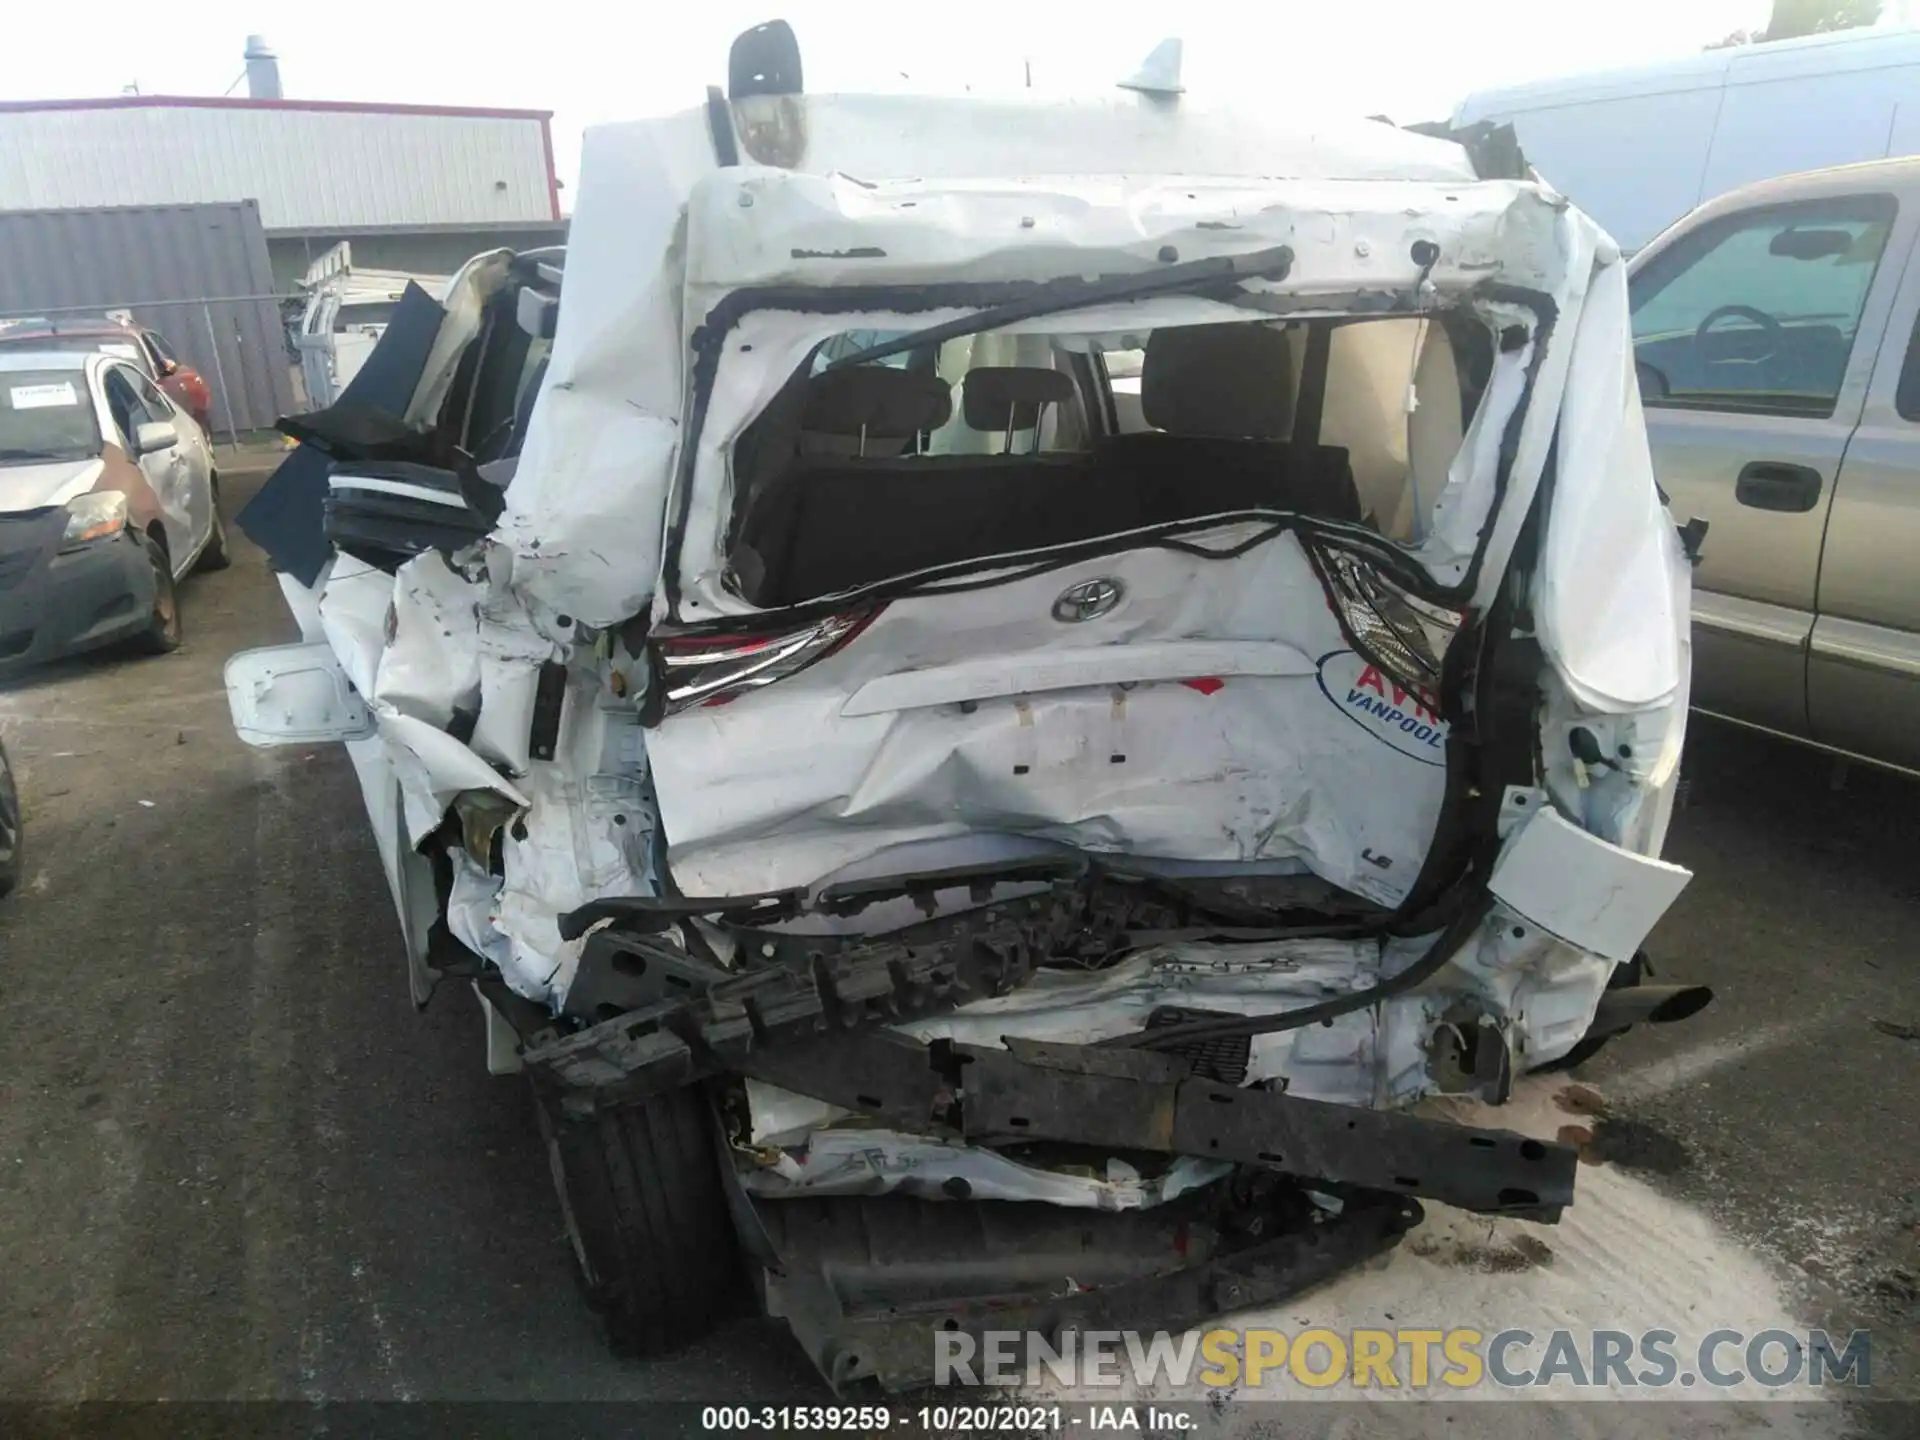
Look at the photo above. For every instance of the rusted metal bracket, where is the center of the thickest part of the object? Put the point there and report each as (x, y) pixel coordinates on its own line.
(684, 1019)
(1138, 1100)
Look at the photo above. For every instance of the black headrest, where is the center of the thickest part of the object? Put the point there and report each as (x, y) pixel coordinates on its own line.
(1225, 382)
(876, 400)
(1001, 397)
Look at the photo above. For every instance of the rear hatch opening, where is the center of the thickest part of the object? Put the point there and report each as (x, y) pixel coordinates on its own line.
(955, 568)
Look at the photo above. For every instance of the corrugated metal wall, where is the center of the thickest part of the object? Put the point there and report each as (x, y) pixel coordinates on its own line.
(184, 270)
(311, 167)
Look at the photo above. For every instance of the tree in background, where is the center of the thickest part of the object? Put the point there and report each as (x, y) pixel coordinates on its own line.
(1806, 17)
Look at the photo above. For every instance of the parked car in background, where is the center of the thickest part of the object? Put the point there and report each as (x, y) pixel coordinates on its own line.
(108, 497)
(1777, 343)
(340, 316)
(119, 337)
(1638, 148)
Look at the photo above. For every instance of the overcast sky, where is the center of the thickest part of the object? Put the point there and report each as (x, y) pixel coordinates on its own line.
(592, 62)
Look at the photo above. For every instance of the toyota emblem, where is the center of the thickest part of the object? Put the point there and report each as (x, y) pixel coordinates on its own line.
(1088, 600)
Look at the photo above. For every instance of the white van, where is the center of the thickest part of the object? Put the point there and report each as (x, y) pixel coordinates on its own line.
(342, 313)
(1637, 149)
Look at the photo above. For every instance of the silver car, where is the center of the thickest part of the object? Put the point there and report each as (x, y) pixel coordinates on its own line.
(1778, 356)
(108, 498)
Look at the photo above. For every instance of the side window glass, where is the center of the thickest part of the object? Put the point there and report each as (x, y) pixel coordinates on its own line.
(1906, 395)
(123, 405)
(850, 342)
(157, 405)
(1758, 311)
(161, 353)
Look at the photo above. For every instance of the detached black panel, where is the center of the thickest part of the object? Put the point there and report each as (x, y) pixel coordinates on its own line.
(385, 514)
(286, 518)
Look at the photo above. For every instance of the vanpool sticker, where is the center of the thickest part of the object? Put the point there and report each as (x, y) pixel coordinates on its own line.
(1408, 720)
(41, 397)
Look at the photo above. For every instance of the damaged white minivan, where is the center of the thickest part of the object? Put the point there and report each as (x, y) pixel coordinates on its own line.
(986, 693)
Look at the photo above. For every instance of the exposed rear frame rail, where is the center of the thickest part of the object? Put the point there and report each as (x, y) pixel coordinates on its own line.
(1133, 1100)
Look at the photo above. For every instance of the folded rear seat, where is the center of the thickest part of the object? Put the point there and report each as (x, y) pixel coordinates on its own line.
(832, 523)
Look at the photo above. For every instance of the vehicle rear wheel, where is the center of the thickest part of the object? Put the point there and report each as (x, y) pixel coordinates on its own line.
(215, 556)
(646, 1209)
(9, 827)
(1624, 977)
(164, 630)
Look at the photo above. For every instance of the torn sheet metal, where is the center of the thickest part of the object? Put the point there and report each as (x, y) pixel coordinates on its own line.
(584, 512)
(745, 809)
(426, 642)
(428, 667)
(1062, 1095)
(1283, 749)
(472, 907)
(882, 1162)
(586, 505)
(1575, 885)
(1540, 989)
(1210, 783)
(1351, 241)
(1614, 580)
(1242, 768)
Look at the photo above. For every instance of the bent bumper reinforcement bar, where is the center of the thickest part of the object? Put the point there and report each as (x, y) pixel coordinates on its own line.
(1137, 1100)
(809, 1020)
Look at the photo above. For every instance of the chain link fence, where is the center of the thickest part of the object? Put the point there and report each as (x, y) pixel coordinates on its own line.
(198, 276)
(237, 343)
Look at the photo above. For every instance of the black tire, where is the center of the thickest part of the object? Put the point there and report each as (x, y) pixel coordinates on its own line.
(164, 630)
(216, 555)
(646, 1209)
(9, 827)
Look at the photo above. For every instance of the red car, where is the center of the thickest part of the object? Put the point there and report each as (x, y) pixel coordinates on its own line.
(181, 382)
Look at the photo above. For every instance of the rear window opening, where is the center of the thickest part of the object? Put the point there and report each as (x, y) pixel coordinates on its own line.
(995, 443)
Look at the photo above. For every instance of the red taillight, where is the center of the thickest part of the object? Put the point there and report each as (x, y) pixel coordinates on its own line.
(1405, 636)
(712, 669)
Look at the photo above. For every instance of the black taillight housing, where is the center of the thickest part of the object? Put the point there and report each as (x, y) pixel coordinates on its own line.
(712, 668)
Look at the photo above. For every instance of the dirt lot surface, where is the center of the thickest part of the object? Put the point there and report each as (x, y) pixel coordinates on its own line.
(235, 1163)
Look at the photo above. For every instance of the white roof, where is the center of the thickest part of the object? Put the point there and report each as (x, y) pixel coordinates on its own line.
(875, 137)
(915, 191)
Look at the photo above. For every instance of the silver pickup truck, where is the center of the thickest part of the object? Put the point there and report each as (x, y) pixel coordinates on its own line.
(1777, 341)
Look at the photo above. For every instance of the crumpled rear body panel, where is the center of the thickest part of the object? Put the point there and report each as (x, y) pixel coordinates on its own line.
(1326, 765)
(1219, 718)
